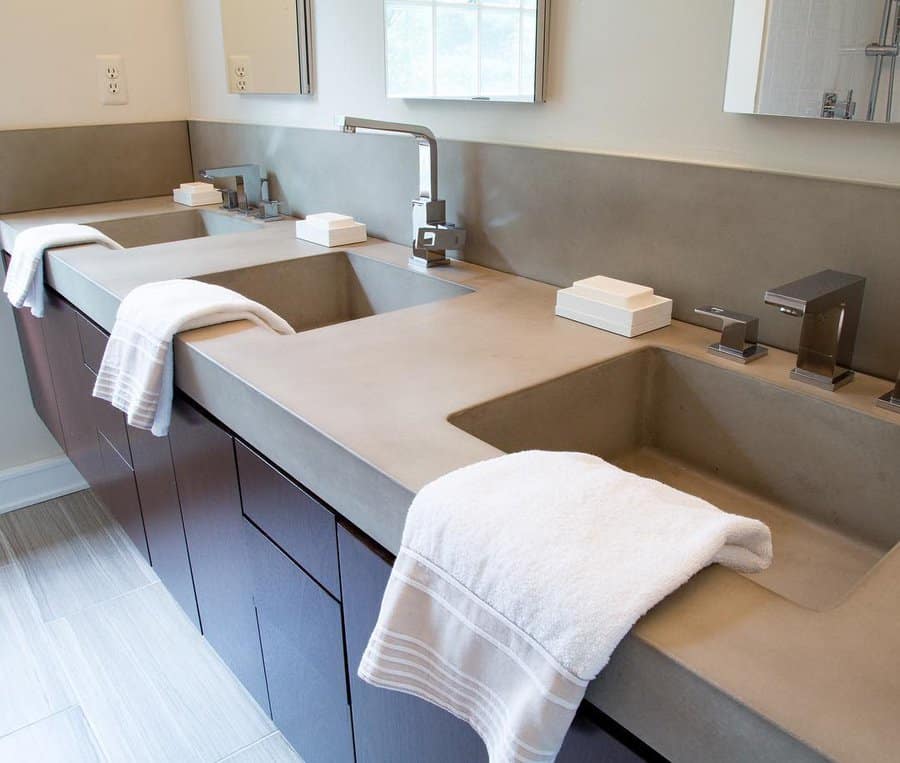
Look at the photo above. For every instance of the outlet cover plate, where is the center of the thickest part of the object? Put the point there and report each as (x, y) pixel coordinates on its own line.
(112, 82)
(240, 74)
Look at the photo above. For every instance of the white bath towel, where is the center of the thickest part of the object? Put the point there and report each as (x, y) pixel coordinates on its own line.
(24, 283)
(137, 372)
(518, 576)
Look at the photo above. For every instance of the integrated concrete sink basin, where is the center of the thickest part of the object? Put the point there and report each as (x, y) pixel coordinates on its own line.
(173, 226)
(822, 476)
(320, 290)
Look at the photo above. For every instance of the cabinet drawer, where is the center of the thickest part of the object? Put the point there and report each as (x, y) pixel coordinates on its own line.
(303, 654)
(296, 521)
(110, 421)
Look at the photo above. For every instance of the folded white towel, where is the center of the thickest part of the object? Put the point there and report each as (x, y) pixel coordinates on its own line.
(25, 279)
(137, 372)
(518, 576)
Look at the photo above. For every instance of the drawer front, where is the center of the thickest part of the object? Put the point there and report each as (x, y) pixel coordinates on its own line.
(93, 343)
(296, 521)
(303, 653)
(110, 421)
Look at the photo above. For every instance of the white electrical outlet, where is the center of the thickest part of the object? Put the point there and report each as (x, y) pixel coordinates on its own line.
(112, 82)
(240, 74)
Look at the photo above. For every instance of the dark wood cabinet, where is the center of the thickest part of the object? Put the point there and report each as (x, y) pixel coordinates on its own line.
(302, 642)
(74, 384)
(206, 475)
(304, 528)
(154, 473)
(37, 368)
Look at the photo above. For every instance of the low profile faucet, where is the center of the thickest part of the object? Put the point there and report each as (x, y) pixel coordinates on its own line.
(432, 234)
(253, 180)
(830, 304)
(891, 400)
(740, 334)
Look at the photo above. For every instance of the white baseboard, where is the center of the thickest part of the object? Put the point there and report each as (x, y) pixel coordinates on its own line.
(41, 481)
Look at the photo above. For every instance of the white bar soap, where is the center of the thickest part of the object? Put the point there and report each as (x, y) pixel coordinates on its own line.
(623, 308)
(331, 229)
(197, 194)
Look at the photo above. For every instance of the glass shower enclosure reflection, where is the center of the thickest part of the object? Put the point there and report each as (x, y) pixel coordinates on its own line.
(826, 59)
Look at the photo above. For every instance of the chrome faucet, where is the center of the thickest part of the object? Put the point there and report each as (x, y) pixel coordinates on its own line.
(432, 234)
(252, 195)
(891, 400)
(830, 304)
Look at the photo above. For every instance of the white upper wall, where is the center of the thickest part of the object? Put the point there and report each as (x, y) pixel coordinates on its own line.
(49, 50)
(644, 79)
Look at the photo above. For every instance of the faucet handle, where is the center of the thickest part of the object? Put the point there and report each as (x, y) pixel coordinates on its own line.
(440, 238)
(740, 333)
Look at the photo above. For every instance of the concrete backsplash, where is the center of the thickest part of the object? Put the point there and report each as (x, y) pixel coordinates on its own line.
(695, 233)
(64, 166)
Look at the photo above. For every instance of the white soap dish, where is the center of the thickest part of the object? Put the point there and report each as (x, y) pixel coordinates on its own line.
(197, 194)
(623, 308)
(331, 229)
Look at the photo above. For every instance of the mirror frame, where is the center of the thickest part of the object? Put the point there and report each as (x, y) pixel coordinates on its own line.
(304, 51)
(541, 57)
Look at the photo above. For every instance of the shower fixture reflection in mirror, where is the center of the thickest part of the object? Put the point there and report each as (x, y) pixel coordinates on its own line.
(825, 59)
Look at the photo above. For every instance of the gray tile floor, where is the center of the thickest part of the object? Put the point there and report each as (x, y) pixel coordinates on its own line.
(99, 663)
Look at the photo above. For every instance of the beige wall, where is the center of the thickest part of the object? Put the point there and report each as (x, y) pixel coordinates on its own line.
(48, 55)
(49, 50)
(643, 77)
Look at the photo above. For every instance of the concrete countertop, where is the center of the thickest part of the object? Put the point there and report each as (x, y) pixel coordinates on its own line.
(721, 670)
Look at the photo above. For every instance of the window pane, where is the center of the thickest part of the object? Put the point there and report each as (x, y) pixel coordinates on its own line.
(499, 52)
(456, 51)
(408, 48)
(529, 46)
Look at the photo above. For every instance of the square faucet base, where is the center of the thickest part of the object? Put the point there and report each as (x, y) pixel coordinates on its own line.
(755, 352)
(823, 382)
(889, 402)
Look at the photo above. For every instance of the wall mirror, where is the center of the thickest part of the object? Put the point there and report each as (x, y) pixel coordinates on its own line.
(491, 50)
(267, 46)
(825, 59)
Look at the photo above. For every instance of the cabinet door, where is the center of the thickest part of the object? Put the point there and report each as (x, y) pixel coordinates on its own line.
(303, 651)
(118, 492)
(158, 493)
(37, 368)
(73, 383)
(388, 725)
(206, 475)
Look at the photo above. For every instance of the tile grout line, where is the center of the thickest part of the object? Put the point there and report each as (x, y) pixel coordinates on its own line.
(46, 717)
(239, 750)
(95, 604)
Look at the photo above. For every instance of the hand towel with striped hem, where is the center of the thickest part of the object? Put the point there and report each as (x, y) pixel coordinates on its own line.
(518, 576)
(24, 283)
(137, 372)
